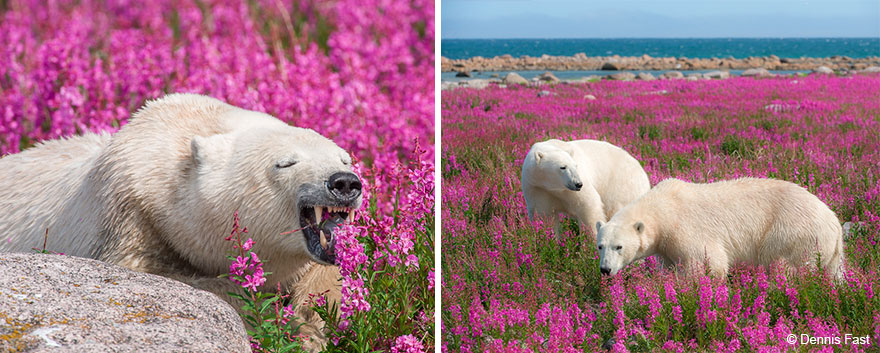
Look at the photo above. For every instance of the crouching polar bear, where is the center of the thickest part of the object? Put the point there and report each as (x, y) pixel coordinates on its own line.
(747, 220)
(158, 197)
(584, 179)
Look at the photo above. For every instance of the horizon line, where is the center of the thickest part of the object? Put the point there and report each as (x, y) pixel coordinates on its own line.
(625, 37)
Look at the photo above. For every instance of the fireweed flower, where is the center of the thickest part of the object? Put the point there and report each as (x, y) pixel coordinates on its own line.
(817, 131)
(407, 344)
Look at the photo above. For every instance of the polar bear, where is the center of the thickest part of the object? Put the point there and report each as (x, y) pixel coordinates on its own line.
(159, 195)
(585, 179)
(748, 220)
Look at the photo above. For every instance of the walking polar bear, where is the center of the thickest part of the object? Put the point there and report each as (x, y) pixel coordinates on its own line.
(748, 220)
(584, 179)
(159, 195)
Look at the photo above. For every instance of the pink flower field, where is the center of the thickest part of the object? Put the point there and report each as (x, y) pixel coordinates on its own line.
(509, 286)
(359, 72)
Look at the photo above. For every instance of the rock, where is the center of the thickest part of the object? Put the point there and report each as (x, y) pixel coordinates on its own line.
(544, 93)
(477, 84)
(824, 70)
(446, 85)
(848, 229)
(672, 75)
(494, 76)
(717, 75)
(590, 97)
(81, 305)
(694, 76)
(872, 69)
(622, 76)
(645, 76)
(463, 74)
(757, 72)
(548, 77)
(514, 78)
(611, 66)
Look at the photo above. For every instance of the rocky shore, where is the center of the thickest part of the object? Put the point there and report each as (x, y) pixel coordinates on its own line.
(583, 62)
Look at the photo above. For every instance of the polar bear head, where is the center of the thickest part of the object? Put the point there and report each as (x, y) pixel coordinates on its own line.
(620, 242)
(291, 186)
(550, 166)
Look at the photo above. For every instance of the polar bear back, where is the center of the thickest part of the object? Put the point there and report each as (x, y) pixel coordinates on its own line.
(51, 179)
(615, 174)
(755, 221)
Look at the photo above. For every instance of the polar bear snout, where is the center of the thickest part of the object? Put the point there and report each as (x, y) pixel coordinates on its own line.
(605, 271)
(344, 185)
(575, 186)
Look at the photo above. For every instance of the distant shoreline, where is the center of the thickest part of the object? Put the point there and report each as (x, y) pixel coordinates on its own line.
(582, 62)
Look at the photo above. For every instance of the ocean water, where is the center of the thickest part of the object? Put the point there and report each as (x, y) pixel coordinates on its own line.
(664, 47)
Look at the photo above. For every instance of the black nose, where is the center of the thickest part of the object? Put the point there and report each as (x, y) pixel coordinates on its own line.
(579, 185)
(605, 270)
(345, 185)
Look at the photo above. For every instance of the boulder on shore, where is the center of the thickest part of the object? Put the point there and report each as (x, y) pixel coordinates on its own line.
(548, 77)
(672, 75)
(514, 78)
(717, 75)
(622, 76)
(757, 72)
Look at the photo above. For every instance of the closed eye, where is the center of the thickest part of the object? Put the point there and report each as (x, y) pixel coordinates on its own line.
(618, 247)
(600, 247)
(562, 167)
(285, 164)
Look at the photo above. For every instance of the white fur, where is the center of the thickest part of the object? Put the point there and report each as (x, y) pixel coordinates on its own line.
(158, 196)
(611, 179)
(748, 220)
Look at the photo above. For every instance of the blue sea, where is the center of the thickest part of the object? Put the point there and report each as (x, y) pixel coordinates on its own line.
(664, 47)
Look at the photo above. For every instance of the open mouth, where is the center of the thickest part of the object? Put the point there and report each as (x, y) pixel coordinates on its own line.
(318, 225)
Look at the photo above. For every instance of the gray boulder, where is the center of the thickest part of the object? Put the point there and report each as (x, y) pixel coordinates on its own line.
(548, 77)
(872, 69)
(70, 304)
(463, 74)
(717, 75)
(514, 78)
(622, 76)
(757, 72)
(824, 70)
(478, 83)
(672, 75)
(645, 76)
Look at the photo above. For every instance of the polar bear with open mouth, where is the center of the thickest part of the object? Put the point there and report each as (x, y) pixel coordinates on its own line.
(158, 196)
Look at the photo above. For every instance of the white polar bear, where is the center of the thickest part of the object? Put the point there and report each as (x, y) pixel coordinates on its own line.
(747, 220)
(584, 179)
(159, 195)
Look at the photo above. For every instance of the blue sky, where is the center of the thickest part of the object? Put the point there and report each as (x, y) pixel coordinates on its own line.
(654, 19)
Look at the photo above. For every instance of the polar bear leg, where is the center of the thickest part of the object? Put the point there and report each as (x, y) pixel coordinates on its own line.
(545, 207)
(592, 210)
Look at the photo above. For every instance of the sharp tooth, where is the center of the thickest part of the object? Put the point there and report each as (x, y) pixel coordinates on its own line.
(323, 240)
(318, 215)
(351, 216)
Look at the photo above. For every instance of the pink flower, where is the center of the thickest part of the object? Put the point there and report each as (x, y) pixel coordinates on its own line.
(407, 344)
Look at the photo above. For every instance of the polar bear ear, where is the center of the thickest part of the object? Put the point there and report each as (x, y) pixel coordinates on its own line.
(205, 149)
(639, 226)
(599, 225)
(538, 156)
